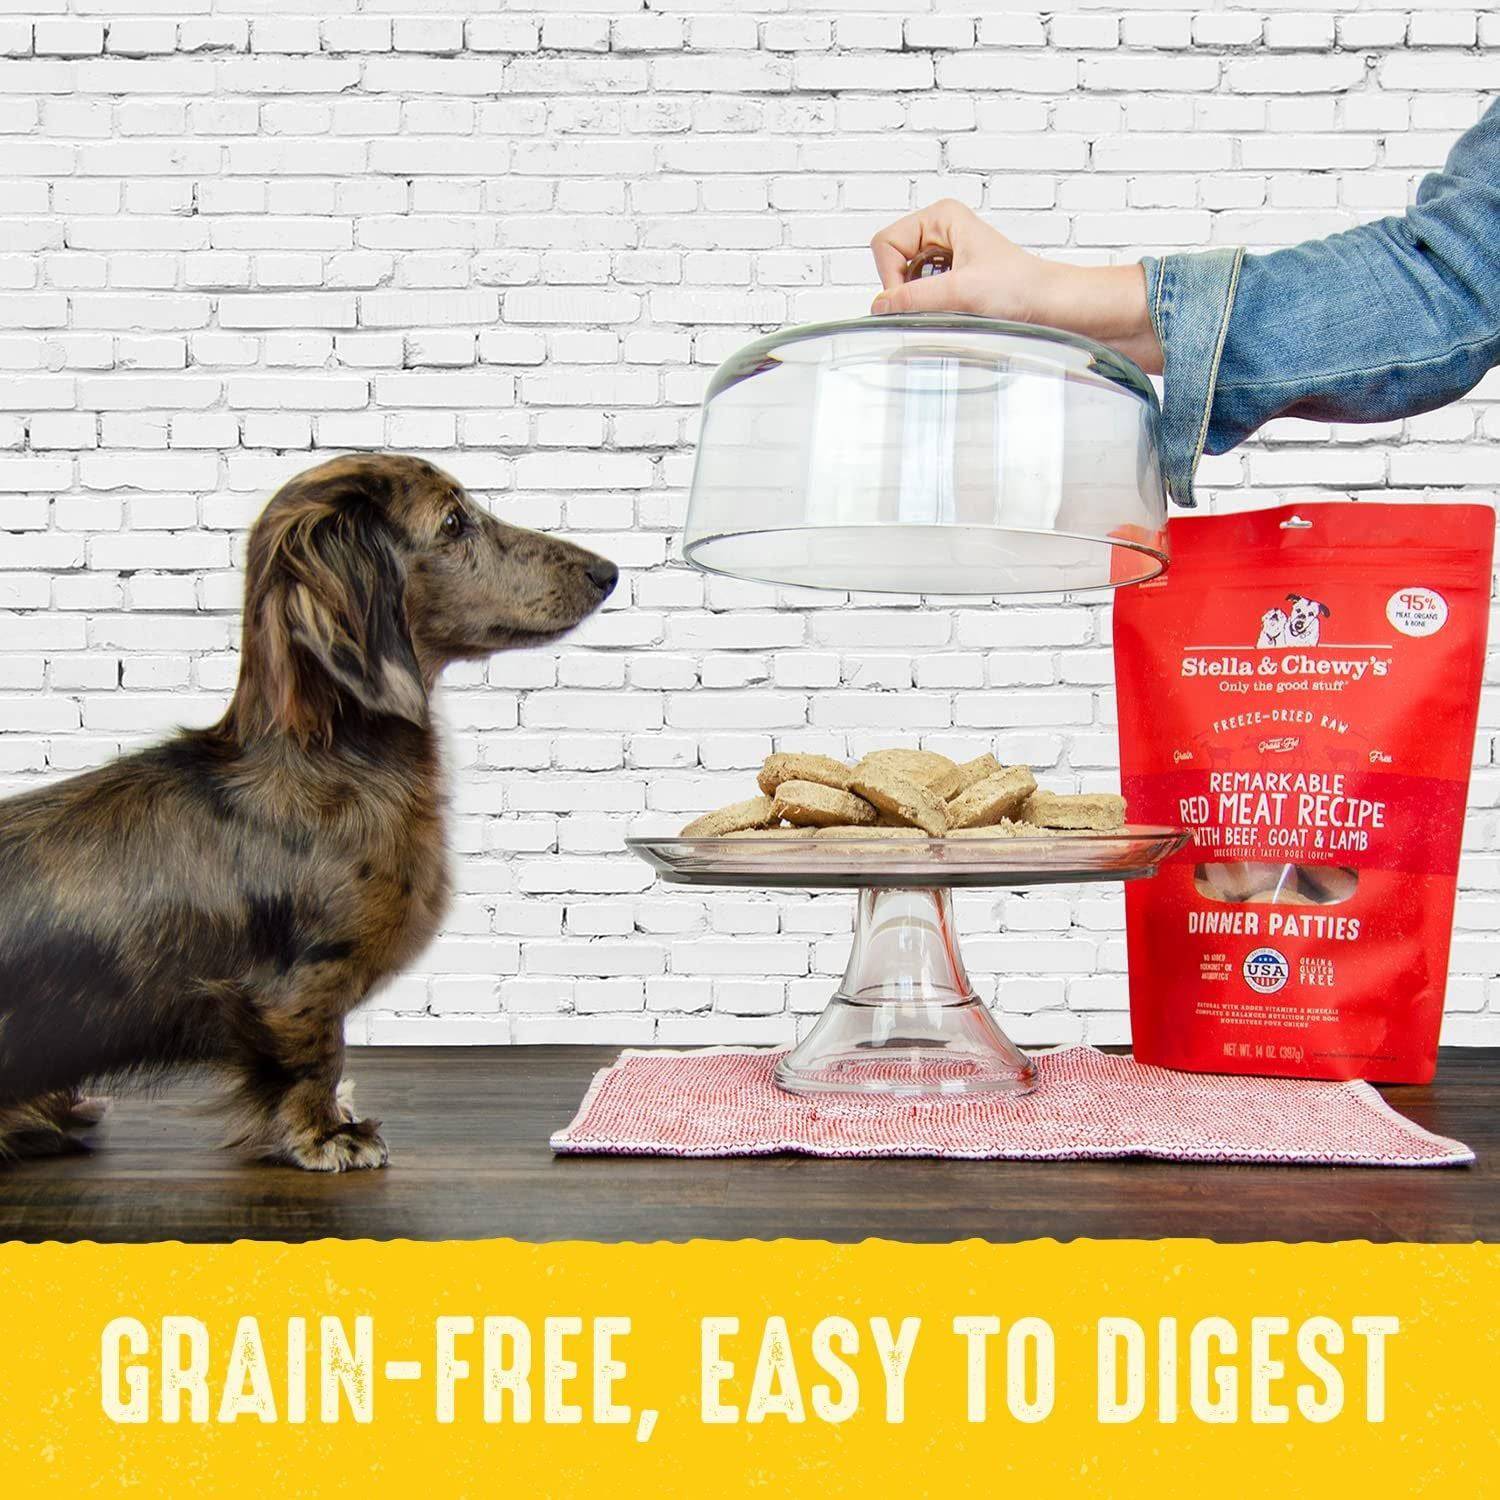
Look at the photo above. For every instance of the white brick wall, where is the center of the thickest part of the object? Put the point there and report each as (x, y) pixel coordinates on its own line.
(234, 237)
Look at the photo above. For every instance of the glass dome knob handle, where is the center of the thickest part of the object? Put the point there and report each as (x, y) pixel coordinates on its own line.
(932, 261)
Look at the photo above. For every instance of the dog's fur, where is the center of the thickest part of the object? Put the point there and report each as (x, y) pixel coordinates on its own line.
(227, 897)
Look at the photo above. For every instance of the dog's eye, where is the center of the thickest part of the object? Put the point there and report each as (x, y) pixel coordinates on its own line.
(455, 523)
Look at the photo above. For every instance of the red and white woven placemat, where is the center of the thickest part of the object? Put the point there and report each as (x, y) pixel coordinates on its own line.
(722, 1102)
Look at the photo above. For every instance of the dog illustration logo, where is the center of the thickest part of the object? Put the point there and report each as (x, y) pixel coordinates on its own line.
(1298, 625)
(1304, 620)
(1272, 628)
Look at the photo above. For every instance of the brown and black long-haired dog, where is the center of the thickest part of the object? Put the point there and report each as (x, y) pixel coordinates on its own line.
(226, 898)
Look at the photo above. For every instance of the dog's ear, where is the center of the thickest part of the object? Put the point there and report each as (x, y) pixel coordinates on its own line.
(326, 607)
(1324, 611)
(1293, 598)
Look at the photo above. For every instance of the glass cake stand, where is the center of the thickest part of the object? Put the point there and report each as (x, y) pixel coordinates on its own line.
(906, 1020)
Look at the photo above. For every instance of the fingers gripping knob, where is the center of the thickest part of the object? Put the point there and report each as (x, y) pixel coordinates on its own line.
(933, 260)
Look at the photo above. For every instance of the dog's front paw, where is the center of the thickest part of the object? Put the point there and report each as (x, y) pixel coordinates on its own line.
(354, 1147)
(84, 1110)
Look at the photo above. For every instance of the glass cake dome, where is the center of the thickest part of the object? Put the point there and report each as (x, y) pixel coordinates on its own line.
(929, 453)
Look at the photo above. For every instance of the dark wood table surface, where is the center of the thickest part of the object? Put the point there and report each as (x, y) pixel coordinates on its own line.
(468, 1133)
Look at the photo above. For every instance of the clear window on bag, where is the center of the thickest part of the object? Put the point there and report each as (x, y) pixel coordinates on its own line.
(1247, 882)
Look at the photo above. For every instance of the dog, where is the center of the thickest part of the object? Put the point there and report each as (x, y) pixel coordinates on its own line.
(1302, 626)
(228, 897)
(1272, 628)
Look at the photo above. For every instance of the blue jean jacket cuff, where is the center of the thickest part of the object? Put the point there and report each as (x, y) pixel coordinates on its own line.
(1191, 297)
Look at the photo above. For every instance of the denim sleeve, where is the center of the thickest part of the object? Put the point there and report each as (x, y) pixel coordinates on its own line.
(1383, 321)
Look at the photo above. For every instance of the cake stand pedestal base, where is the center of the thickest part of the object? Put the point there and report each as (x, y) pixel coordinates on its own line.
(906, 1020)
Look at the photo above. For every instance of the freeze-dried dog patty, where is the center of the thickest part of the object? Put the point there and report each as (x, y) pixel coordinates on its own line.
(1096, 811)
(902, 799)
(961, 778)
(843, 831)
(783, 766)
(754, 813)
(806, 802)
(1240, 879)
(921, 766)
(998, 796)
(771, 833)
(1327, 883)
(1004, 829)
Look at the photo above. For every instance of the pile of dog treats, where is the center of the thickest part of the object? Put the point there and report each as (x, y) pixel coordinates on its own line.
(1259, 883)
(904, 794)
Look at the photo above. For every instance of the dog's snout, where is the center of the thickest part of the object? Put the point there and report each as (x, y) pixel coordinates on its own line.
(604, 575)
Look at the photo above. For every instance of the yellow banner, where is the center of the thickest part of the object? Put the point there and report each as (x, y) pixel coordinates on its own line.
(1120, 1369)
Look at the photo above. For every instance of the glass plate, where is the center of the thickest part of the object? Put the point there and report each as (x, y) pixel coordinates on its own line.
(775, 861)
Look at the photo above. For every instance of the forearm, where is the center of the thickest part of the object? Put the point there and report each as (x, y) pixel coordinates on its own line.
(1384, 327)
(1104, 303)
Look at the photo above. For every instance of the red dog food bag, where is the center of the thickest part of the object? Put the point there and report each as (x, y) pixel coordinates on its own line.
(1301, 689)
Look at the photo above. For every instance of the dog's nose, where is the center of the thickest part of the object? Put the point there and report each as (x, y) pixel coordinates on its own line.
(604, 575)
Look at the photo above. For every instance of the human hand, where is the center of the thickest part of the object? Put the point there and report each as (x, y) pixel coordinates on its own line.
(993, 277)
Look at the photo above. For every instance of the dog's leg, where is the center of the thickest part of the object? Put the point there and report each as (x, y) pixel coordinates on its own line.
(79, 1111)
(39, 1126)
(319, 1133)
(291, 1085)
